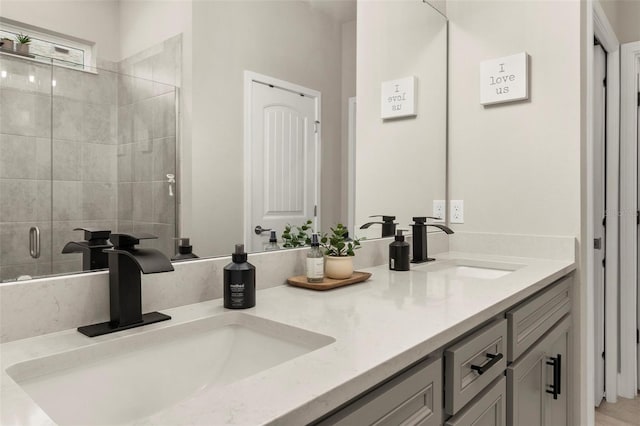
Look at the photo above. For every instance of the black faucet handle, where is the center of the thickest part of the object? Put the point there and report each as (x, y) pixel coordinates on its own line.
(423, 219)
(385, 218)
(128, 241)
(93, 234)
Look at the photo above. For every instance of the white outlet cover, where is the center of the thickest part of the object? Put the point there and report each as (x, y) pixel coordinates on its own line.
(456, 211)
(438, 210)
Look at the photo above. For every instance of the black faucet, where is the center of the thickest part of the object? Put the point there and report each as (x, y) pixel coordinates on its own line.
(92, 249)
(420, 237)
(388, 226)
(125, 294)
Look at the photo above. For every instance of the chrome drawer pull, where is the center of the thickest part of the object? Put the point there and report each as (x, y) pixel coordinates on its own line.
(483, 369)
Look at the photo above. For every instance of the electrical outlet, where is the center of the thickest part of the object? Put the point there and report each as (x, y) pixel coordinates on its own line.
(457, 211)
(438, 210)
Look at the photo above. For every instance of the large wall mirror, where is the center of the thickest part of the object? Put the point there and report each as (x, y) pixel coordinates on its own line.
(206, 119)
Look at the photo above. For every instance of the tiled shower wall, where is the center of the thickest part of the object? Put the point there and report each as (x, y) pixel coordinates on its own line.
(147, 101)
(81, 149)
(25, 165)
(57, 161)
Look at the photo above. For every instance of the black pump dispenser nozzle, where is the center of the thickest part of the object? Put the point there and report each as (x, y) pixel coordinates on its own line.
(272, 237)
(239, 256)
(185, 250)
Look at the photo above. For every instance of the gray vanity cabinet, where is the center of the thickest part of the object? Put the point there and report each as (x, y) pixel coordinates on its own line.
(531, 379)
(487, 409)
(412, 398)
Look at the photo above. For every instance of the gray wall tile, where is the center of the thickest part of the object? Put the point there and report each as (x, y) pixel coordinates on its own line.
(164, 210)
(99, 200)
(24, 200)
(164, 115)
(164, 158)
(143, 119)
(67, 200)
(143, 161)
(26, 114)
(18, 157)
(142, 201)
(98, 162)
(125, 201)
(100, 123)
(125, 163)
(26, 76)
(68, 118)
(67, 160)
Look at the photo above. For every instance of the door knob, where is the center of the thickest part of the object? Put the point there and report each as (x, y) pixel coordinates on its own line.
(259, 230)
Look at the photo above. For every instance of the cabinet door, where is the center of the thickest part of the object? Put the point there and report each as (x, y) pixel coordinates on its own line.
(531, 378)
(557, 409)
(487, 409)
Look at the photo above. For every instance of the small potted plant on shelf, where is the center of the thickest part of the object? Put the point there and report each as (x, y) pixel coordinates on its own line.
(297, 236)
(6, 44)
(339, 251)
(23, 43)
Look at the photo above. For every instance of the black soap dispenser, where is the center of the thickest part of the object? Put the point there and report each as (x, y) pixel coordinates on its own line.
(399, 253)
(239, 281)
(185, 250)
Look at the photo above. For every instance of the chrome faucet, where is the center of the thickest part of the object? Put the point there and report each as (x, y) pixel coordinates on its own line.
(388, 226)
(125, 293)
(419, 228)
(92, 249)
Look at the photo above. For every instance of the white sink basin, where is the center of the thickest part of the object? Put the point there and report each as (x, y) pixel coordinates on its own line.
(467, 268)
(132, 377)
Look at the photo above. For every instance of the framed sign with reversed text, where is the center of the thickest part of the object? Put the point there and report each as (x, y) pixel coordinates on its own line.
(398, 98)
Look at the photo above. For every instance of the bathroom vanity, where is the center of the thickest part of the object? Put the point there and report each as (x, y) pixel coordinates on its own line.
(401, 347)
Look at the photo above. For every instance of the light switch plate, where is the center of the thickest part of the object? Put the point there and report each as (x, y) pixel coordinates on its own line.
(438, 210)
(456, 211)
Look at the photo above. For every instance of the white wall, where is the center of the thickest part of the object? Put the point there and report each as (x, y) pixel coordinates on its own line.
(95, 21)
(401, 163)
(624, 17)
(285, 40)
(517, 166)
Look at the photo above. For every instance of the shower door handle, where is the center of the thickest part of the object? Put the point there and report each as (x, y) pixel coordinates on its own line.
(34, 242)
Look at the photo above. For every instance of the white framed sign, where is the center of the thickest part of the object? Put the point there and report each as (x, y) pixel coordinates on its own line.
(504, 79)
(398, 98)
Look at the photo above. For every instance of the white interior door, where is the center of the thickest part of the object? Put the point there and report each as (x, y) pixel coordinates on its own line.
(284, 166)
(599, 235)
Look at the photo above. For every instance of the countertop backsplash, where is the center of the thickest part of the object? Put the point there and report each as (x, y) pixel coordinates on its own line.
(47, 305)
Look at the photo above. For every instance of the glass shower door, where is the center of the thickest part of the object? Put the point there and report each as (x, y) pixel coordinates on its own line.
(25, 168)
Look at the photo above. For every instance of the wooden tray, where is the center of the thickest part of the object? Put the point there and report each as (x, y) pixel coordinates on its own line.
(328, 283)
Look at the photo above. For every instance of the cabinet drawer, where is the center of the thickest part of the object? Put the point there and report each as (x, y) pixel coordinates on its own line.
(532, 319)
(472, 364)
(488, 409)
(412, 398)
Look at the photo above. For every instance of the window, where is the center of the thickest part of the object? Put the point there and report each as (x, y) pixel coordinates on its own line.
(51, 47)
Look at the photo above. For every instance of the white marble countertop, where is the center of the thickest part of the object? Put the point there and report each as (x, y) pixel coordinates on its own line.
(380, 327)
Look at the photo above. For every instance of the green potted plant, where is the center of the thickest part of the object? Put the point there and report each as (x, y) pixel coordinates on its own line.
(23, 43)
(297, 236)
(339, 252)
(6, 44)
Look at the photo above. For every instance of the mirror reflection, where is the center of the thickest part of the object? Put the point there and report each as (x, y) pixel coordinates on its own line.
(208, 120)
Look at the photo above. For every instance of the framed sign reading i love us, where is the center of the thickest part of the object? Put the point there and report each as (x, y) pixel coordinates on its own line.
(504, 79)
